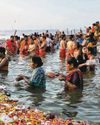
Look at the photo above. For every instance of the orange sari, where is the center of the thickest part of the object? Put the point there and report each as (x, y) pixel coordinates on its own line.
(24, 48)
(42, 49)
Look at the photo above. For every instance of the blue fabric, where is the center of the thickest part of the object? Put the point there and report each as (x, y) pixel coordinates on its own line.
(38, 78)
(80, 41)
(77, 80)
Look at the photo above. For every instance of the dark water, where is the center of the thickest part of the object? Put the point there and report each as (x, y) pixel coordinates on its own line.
(82, 105)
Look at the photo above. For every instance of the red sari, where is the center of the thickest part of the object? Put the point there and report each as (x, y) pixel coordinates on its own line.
(11, 46)
(42, 50)
(62, 53)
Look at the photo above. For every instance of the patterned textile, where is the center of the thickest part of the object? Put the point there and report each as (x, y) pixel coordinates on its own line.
(38, 78)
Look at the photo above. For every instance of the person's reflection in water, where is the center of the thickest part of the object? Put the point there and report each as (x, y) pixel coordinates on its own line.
(75, 96)
(3, 76)
(74, 99)
(62, 65)
(36, 95)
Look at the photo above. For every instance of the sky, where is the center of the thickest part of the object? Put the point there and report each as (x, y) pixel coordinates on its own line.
(48, 14)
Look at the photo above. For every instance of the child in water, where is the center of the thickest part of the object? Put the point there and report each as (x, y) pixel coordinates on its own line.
(38, 78)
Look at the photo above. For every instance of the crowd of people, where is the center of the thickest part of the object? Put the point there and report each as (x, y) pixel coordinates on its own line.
(76, 49)
(79, 52)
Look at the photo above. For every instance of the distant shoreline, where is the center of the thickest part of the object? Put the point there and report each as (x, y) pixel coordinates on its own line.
(5, 34)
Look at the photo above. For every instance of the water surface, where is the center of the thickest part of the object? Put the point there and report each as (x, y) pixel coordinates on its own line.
(82, 105)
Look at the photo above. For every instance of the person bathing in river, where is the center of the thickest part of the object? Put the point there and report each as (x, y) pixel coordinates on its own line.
(62, 51)
(24, 45)
(38, 78)
(32, 48)
(73, 79)
(11, 47)
(42, 47)
(3, 60)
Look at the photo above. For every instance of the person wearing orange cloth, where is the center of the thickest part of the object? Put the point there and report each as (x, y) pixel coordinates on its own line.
(24, 46)
(62, 51)
(42, 47)
(36, 42)
(70, 44)
(32, 48)
(11, 47)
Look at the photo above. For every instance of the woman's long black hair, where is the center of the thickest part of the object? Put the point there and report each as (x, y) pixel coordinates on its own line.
(37, 60)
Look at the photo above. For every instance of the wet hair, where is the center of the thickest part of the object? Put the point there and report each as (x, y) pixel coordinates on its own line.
(80, 36)
(25, 37)
(72, 60)
(91, 39)
(94, 24)
(2, 50)
(71, 37)
(97, 22)
(12, 37)
(91, 35)
(63, 36)
(37, 60)
(33, 37)
(47, 35)
(90, 49)
(17, 37)
(44, 37)
(89, 27)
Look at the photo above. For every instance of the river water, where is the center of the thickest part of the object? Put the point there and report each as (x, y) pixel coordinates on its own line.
(81, 105)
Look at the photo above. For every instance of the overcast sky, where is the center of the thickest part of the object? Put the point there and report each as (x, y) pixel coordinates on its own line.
(48, 14)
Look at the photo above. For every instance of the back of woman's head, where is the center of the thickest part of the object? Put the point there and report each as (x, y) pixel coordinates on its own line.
(72, 61)
(2, 50)
(37, 60)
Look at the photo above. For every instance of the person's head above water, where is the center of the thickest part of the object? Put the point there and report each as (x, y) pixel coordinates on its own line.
(71, 63)
(37, 61)
(2, 50)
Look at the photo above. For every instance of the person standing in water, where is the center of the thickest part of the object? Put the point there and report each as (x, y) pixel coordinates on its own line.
(42, 47)
(62, 50)
(4, 60)
(24, 45)
(73, 79)
(11, 47)
(38, 79)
